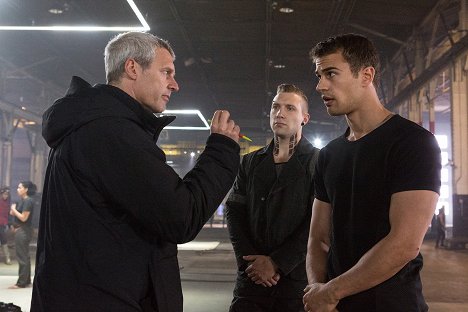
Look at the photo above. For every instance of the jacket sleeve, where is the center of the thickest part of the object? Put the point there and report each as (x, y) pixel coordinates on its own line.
(124, 164)
(237, 218)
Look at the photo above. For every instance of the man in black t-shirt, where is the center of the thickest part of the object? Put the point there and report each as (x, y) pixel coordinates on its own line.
(376, 188)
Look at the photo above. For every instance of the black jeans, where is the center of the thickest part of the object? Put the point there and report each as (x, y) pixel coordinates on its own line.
(440, 237)
(3, 234)
(22, 239)
(266, 304)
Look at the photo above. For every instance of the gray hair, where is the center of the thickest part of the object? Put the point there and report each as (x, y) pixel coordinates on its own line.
(139, 46)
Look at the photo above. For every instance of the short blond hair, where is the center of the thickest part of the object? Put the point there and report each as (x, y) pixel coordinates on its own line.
(290, 88)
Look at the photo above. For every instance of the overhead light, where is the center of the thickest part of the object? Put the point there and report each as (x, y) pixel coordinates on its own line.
(144, 25)
(59, 8)
(285, 7)
(186, 112)
(55, 11)
(189, 61)
(279, 66)
(206, 60)
(318, 142)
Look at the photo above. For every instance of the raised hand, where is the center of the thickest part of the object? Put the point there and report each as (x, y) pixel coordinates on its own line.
(221, 124)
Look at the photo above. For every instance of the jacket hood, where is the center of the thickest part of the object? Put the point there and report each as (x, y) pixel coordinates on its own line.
(84, 103)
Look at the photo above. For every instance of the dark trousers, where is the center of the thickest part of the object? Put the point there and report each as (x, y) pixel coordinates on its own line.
(440, 237)
(266, 304)
(22, 239)
(3, 234)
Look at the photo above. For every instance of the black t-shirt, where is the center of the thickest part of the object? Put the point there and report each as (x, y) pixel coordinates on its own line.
(26, 204)
(358, 179)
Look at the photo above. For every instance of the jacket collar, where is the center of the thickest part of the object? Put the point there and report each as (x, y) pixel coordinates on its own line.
(265, 174)
(304, 146)
(150, 122)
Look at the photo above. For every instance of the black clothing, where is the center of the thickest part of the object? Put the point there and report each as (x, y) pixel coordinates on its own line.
(113, 210)
(440, 227)
(23, 237)
(26, 204)
(262, 304)
(270, 215)
(358, 179)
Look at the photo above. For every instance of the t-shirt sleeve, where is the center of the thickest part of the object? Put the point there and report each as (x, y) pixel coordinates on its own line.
(28, 205)
(319, 186)
(416, 163)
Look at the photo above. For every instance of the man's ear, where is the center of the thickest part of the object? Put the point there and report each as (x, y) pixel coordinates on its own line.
(131, 68)
(305, 119)
(368, 75)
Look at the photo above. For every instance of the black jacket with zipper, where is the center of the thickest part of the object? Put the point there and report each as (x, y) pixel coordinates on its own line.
(270, 215)
(113, 210)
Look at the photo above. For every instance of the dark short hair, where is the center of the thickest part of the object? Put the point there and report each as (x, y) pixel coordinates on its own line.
(4, 189)
(357, 50)
(290, 88)
(30, 186)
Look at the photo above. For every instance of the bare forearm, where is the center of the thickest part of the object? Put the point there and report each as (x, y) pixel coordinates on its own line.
(379, 264)
(316, 262)
(400, 246)
(23, 217)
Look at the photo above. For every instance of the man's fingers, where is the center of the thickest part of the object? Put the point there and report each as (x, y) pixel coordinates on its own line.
(224, 117)
(230, 125)
(220, 118)
(215, 119)
(236, 129)
(221, 124)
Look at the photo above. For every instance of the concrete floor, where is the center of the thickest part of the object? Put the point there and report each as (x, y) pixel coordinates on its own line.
(445, 278)
(208, 277)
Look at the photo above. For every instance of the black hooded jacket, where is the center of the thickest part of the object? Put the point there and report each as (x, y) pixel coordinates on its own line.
(113, 210)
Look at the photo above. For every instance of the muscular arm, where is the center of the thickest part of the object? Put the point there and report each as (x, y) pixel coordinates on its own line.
(319, 240)
(410, 215)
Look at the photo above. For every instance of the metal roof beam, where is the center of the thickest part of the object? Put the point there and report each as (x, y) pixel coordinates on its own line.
(458, 49)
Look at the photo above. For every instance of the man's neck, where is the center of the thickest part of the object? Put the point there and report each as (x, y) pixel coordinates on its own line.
(284, 147)
(365, 120)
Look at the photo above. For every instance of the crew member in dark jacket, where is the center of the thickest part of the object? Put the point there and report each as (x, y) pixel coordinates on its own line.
(269, 209)
(112, 210)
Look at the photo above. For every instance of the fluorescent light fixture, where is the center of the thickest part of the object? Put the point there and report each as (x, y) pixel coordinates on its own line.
(195, 245)
(144, 25)
(186, 112)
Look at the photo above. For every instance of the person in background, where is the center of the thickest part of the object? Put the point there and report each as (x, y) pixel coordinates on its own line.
(23, 231)
(4, 222)
(269, 209)
(112, 210)
(376, 188)
(440, 227)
